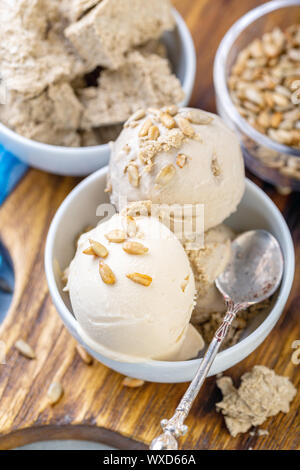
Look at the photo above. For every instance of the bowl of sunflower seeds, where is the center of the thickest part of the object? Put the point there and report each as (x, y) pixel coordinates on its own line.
(257, 84)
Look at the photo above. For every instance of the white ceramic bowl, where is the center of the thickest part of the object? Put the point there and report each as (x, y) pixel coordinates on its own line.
(256, 211)
(85, 160)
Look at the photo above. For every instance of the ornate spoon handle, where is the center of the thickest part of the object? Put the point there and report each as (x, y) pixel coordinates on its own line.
(175, 427)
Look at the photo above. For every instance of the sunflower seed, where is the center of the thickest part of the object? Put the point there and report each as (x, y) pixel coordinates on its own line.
(139, 114)
(98, 249)
(271, 50)
(25, 349)
(286, 125)
(153, 133)
(276, 119)
(133, 175)
(215, 166)
(294, 162)
(131, 227)
(197, 116)
(142, 279)
(264, 119)
(135, 248)
(167, 120)
(172, 109)
(254, 96)
(281, 136)
(89, 251)
(108, 188)
(154, 111)
(281, 100)
(84, 355)
(256, 48)
(132, 383)
(181, 160)
(184, 283)
(165, 175)
(55, 392)
(106, 273)
(290, 172)
(145, 127)
(116, 236)
(185, 126)
(294, 54)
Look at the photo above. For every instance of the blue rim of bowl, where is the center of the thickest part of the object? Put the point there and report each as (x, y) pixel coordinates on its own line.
(220, 79)
(187, 85)
(283, 294)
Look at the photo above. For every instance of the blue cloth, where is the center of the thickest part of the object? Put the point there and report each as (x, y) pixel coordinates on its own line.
(11, 171)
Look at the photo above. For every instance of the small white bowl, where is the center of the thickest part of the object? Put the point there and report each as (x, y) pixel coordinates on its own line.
(256, 211)
(82, 161)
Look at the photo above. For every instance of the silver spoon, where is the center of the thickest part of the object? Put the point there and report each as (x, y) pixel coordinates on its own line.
(253, 274)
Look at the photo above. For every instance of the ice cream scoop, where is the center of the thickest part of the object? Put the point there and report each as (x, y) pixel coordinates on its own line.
(132, 291)
(178, 156)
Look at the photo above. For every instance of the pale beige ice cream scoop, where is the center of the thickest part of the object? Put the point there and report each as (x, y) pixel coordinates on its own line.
(135, 302)
(172, 156)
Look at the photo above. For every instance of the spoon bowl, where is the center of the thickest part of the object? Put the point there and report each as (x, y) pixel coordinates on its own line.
(255, 270)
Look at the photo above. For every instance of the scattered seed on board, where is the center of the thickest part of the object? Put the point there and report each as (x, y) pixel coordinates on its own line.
(25, 349)
(55, 392)
(132, 383)
(84, 355)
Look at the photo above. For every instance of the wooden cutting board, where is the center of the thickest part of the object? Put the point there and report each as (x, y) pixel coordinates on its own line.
(95, 405)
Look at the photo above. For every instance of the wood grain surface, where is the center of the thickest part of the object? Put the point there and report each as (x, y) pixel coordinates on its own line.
(95, 405)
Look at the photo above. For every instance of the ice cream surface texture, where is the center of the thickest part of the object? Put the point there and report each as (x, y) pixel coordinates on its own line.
(134, 301)
(178, 156)
(207, 264)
